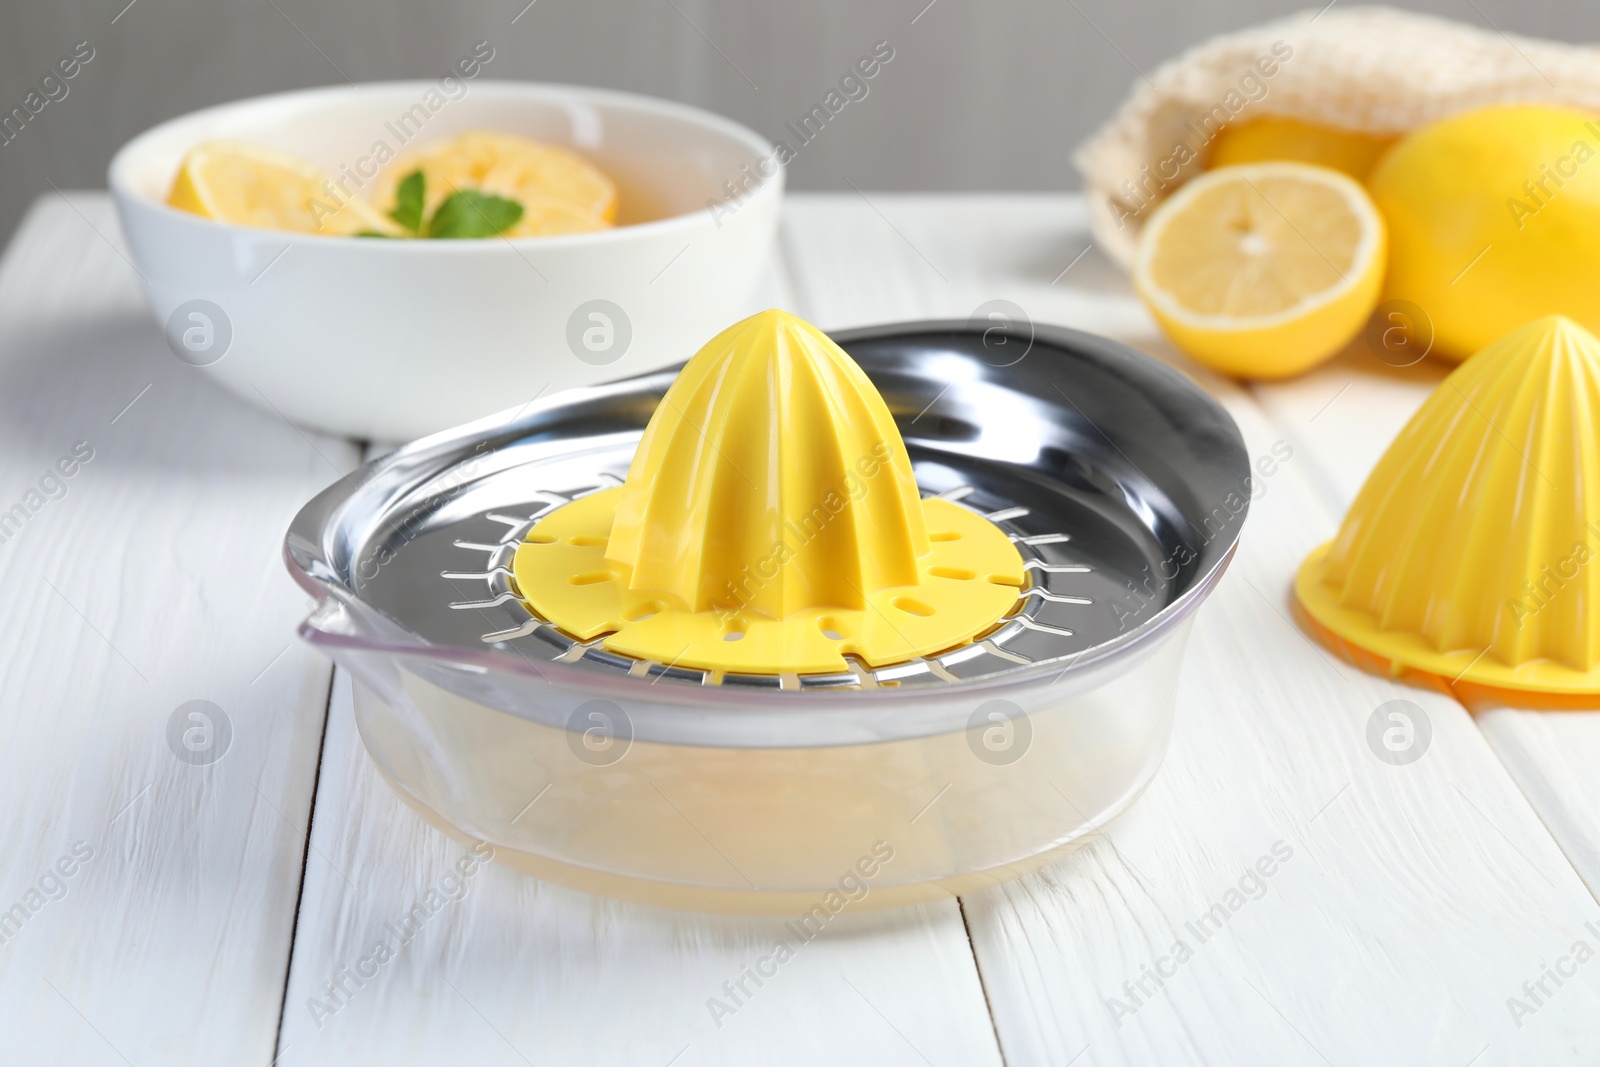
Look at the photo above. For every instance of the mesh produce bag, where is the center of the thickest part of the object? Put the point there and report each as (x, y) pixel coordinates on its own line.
(1372, 70)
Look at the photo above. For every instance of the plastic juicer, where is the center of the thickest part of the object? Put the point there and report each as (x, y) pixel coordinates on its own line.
(720, 639)
(1467, 554)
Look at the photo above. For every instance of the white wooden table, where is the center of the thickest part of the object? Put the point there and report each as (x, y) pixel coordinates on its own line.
(209, 906)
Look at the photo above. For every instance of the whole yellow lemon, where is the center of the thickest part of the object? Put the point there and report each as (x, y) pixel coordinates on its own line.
(1274, 137)
(1494, 220)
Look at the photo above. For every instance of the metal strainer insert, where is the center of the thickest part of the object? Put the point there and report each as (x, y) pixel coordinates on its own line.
(1098, 464)
(1037, 629)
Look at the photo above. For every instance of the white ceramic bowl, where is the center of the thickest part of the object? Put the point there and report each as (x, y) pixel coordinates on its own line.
(391, 340)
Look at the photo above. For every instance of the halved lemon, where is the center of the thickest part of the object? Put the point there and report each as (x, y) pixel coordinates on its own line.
(517, 168)
(545, 216)
(1263, 270)
(249, 185)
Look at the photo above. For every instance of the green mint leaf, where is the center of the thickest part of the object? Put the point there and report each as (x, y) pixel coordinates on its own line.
(408, 199)
(470, 213)
(370, 233)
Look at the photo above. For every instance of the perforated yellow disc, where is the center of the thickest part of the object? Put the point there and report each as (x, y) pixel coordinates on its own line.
(971, 578)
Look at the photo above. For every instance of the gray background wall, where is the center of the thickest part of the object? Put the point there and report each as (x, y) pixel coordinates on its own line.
(981, 94)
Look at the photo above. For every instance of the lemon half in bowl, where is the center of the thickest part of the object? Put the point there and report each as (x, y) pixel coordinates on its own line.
(251, 185)
(1263, 270)
(560, 191)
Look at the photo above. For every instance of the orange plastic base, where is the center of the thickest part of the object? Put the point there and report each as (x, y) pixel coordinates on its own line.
(1472, 694)
(1408, 650)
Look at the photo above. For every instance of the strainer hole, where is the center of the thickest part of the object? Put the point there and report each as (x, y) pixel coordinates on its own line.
(832, 629)
(912, 606)
(539, 539)
(591, 578)
(644, 611)
(587, 541)
(960, 574)
(944, 535)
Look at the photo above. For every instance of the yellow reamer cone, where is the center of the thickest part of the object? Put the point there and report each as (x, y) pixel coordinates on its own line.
(1470, 552)
(770, 524)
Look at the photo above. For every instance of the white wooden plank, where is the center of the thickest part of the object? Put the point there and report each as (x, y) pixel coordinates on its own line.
(1346, 413)
(956, 259)
(1415, 900)
(1552, 755)
(1341, 416)
(156, 579)
(521, 971)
